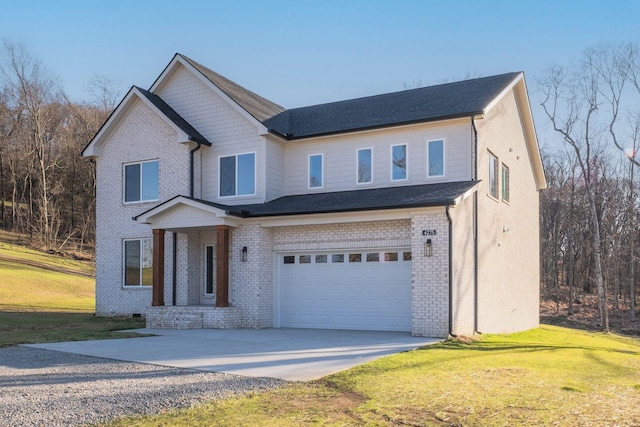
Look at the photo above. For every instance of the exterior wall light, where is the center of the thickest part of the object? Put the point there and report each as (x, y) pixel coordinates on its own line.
(427, 248)
(243, 255)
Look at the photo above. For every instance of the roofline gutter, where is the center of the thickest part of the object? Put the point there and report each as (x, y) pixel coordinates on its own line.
(291, 137)
(247, 214)
(451, 334)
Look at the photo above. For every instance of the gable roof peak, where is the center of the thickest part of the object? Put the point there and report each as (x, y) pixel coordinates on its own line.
(259, 107)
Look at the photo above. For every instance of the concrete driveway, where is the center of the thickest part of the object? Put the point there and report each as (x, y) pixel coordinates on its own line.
(290, 354)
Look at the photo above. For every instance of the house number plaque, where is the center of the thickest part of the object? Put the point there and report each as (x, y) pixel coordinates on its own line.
(428, 232)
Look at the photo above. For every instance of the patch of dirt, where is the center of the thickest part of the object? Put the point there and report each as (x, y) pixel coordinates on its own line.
(586, 316)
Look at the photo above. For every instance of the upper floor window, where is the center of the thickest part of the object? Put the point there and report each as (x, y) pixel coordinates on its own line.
(493, 175)
(399, 162)
(138, 262)
(365, 166)
(315, 171)
(238, 175)
(141, 181)
(505, 183)
(435, 158)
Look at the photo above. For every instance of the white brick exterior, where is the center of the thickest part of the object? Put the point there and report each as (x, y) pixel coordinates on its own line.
(444, 294)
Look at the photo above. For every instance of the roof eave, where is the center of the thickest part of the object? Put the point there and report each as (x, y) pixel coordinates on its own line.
(289, 137)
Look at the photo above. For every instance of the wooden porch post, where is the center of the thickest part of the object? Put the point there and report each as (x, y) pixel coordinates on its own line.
(158, 268)
(222, 266)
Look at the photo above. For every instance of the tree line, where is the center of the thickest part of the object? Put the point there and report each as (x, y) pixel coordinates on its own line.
(589, 212)
(47, 191)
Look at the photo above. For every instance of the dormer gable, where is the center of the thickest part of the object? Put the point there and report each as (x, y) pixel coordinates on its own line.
(184, 131)
(250, 105)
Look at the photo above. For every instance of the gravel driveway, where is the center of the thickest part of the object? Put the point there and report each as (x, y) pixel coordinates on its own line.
(50, 388)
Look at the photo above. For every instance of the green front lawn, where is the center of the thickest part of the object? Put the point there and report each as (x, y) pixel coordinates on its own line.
(547, 376)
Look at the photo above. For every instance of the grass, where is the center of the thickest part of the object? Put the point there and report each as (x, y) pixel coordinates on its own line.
(37, 327)
(41, 302)
(12, 249)
(547, 376)
(28, 288)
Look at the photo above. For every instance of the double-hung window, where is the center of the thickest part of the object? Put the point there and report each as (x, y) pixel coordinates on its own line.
(435, 158)
(315, 171)
(138, 262)
(493, 176)
(365, 166)
(505, 183)
(141, 181)
(399, 162)
(237, 175)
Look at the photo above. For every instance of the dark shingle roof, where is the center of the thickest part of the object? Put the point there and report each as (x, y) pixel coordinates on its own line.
(259, 107)
(193, 134)
(412, 196)
(450, 100)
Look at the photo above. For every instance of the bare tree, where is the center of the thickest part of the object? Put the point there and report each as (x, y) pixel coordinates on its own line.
(570, 101)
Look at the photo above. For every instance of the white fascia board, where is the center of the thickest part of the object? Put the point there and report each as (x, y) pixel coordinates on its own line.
(94, 148)
(178, 59)
(337, 218)
(147, 217)
(504, 92)
(524, 107)
(466, 194)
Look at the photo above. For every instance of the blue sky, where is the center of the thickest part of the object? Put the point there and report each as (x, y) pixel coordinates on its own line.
(306, 52)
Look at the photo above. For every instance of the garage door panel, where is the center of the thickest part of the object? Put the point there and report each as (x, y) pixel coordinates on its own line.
(374, 295)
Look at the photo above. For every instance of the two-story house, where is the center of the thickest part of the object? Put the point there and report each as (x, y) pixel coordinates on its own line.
(409, 211)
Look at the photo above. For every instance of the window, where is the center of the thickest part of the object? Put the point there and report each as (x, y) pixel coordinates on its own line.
(321, 259)
(505, 183)
(209, 273)
(493, 176)
(391, 256)
(373, 257)
(337, 258)
(435, 158)
(141, 181)
(289, 259)
(315, 171)
(305, 259)
(355, 257)
(406, 256)
(238, 175)
(365, 171)
(398, 162)
(138, 262)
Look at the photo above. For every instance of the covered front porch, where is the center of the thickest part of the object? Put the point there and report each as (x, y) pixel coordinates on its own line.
(204, 269)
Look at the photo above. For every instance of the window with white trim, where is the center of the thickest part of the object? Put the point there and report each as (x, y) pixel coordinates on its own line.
(435, 158)
(209, 269)
(237, 175)
(505, 183)
(365, 166)
(315, 171)
(493, 176)
(399, 162)
(138, 262)
(141, 181)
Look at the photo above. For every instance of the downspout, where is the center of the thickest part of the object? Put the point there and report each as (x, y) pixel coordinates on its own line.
(191, 167)
(475, 227)
(450, 273)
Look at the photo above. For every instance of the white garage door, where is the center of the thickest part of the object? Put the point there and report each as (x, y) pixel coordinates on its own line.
(360, 290)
